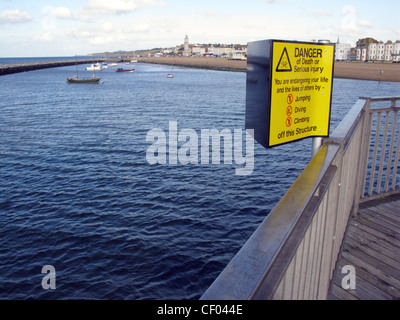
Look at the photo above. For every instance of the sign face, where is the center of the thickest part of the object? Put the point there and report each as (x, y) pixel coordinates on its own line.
(301, 91)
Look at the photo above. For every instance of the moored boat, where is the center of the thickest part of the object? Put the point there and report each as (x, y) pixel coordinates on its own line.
(94, 67)
(125, 70)
(75, 79)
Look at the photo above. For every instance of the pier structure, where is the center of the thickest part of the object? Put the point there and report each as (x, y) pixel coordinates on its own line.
(30, 66)
(336, 233)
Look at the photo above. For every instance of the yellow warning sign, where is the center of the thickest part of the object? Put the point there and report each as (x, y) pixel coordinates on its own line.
(301, 91)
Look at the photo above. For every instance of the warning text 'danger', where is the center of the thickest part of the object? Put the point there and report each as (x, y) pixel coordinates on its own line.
(308, 52)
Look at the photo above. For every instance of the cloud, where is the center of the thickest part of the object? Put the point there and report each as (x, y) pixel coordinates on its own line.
(207, 13)
(106, 26)
(107, 7)
(44, 37)
(139, 28)
(364, 23)
(322, 12)
(14, 16)
(62, 13)
(273, 1)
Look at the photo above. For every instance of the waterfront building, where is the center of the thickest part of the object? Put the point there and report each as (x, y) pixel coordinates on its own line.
(373, 50)
(362, 48)
(342, 51)
(388, 51)
(396, 51)
(237, 55)
(380, 54)
(198, 50)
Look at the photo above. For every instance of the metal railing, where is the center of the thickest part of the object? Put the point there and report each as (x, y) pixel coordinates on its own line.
(292, 255)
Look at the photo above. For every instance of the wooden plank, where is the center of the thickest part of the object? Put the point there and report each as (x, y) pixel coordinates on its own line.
(363, 290)
(374, 267)
(381, 200)
(374, 243)
(393, 208)
(340, 294)
(391, 236)
(380, 219)
(372, 246)
(389, 265)
(387, 214)
(381, 289)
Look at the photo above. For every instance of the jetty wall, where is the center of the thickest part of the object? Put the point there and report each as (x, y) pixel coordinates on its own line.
(30, 66)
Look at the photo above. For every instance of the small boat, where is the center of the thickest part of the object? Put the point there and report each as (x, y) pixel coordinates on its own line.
(170, 75)
(93, 80)
(125, 70)
(113, 64)
(94, 67)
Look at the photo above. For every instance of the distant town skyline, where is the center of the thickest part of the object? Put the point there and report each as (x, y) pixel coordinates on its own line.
(65, 28)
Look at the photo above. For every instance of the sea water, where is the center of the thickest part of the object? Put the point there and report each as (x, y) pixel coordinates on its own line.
(77, 194)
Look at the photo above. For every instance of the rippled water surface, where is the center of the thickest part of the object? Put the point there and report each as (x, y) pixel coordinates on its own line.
(77, 193)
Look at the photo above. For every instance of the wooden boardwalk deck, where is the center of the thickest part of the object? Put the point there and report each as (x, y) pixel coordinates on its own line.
(372, 246)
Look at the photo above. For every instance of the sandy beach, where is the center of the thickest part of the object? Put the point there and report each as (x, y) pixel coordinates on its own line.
(368, 71)
(350, 70)
(205, 63)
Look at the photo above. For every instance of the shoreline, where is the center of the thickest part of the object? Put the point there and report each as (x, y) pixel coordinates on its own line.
(377, 71)
(368, 71)
(346, 70)
(220, 64)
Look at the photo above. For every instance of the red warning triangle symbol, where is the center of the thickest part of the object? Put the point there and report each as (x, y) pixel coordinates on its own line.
(284, 64)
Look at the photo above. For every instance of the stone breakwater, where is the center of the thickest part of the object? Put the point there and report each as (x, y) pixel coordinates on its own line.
(30, 66)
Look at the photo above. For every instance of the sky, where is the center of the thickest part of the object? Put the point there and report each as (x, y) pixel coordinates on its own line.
(44, 28)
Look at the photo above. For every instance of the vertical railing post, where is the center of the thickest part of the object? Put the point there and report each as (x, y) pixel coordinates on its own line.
(364, 151)
(392, 141)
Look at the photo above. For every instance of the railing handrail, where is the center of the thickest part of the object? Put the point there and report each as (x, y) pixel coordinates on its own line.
(278, 226)
(371, 195)
(317, 206)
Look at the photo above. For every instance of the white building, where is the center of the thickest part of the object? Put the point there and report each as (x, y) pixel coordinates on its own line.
(222, 51)
(361, 54)
(372, 51)
(396, 51)
(388, 51)
(378, 51)
(342, 51)
(198, 50)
